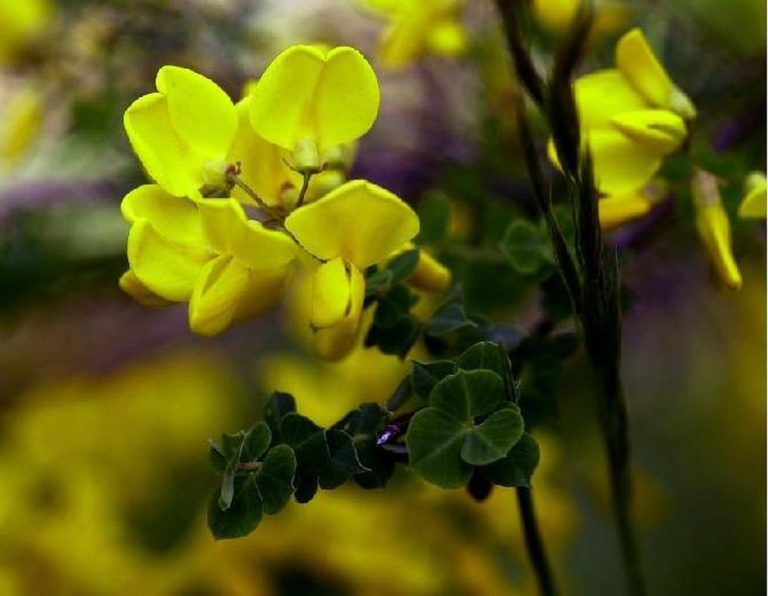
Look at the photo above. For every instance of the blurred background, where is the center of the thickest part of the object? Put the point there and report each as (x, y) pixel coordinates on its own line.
(106, 406)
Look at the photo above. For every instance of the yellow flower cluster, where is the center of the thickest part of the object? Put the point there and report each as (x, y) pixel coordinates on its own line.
(215, 163)
(632, 116)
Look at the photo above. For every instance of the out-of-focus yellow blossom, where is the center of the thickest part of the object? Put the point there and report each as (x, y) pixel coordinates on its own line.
(206, 252)
(417, 28)
(21, 22)
(351, 228)
(22, 121)
(714, 228)
(311, 99)
(183, 133)
(557, 15)
(430, 275)
(753, 205)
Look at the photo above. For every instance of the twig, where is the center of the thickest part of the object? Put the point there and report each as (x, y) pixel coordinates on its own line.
(533, 542)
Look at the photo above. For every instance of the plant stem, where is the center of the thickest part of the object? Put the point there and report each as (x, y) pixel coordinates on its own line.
(533, 542)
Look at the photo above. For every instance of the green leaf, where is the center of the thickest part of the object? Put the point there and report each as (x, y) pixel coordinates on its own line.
(379, 464)
(216, 456)
(491, 440)
(367, 419)
(426, 375)
(307, 440)
(401, 395)
(449, 318)
(484, 355)
(434, 441)
(468, 394)
(278, 405)
(343, 461)
(435, 215)
(231, 443)
(518, 466)
(526, 247)
(392, 307)
(396, 340)
(377, 283)
(275, 478)
(256, 442)
(244, 514)
(403, 265)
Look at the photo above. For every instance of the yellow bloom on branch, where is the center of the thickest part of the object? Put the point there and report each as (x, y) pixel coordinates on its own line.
(632, 117)
(714, 228)
(310, 100)
(349, 229)
(417, 28)
(205, 252)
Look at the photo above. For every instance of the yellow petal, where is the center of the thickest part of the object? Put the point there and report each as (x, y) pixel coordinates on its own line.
(175, 218)
(660, 130)
(430, 275)
(23, 117)
(307, 94)
(337, 341)
(281, 102)
(216, 296)
(201, 113)
(714, 228)
(165, 157)
(228, 231)
(602, 95)
(621, 164)
(165, 267)
(754, 203)
(617, 210)
(331, 293)
(715, 232)
(264, 290)
(359, 222)
(447, 38)
(639, 65)
(262, 164)
(131, 285)
(347, 98)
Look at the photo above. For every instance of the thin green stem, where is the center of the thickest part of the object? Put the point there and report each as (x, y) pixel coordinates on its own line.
(304, 186)
(534, 544)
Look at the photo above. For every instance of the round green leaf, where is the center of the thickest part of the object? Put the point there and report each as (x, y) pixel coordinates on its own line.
(526, 247)
(517, 467)
(243, 515)
(434, 443)
(491, 440)
(468, 394)
(275, 478)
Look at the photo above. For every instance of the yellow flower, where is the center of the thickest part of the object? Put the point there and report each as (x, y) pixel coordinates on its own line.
(557, 15)
(714, 228)
(23, 119)
(183, 133)
(351, 228)
(20, 22)
(311, 99)
(753, 203)
(417, 28)
(206, 252)
(631, 117)
(616, 210)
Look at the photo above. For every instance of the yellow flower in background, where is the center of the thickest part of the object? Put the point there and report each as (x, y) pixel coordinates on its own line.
(417, 28)
(557, 15)
(206, 252)
(21, 22)
(311, 99)
(183, 133)
(349, 229)
(714, 228)
(753, 205)
(22, 120)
